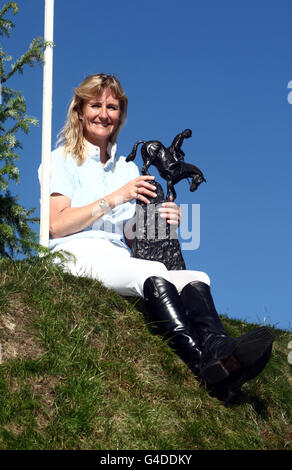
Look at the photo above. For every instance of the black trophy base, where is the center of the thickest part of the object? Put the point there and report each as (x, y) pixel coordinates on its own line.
(155, 239)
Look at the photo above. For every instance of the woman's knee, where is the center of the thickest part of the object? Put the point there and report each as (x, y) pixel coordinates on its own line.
(146, 269)
(158, 269)
(203, 277)
(181, 278)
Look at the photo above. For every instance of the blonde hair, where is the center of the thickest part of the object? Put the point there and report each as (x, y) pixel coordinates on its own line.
(71, 136)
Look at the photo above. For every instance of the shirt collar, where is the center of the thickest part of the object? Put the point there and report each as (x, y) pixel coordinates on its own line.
(94, 151)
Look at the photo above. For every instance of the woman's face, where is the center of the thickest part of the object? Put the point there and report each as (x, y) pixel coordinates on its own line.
(101, 117)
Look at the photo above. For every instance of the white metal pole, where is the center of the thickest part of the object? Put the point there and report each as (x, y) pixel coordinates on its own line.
(47, 124)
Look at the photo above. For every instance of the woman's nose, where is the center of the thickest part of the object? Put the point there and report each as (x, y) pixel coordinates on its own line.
(103, 112)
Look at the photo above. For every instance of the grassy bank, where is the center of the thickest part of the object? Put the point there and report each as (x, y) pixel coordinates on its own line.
(81, 370)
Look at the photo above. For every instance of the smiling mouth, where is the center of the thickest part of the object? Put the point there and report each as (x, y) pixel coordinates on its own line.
(106, 124)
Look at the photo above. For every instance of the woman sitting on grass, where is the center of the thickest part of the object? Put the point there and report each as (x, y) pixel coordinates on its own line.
(92, 206)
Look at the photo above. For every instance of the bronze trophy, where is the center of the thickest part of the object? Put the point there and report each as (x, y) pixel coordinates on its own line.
(154, 238)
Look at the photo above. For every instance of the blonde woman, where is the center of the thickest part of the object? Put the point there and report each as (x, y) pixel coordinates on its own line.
(92, 208)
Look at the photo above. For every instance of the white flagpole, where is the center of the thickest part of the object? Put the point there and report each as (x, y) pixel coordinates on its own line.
(47, 124)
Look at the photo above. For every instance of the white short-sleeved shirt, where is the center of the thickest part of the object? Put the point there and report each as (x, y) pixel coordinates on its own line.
(86, 183)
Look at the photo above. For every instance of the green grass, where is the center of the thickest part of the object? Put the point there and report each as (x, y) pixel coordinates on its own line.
(81, 370)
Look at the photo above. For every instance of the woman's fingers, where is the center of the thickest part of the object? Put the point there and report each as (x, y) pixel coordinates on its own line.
(171, 216)
(137, 188)
(143, 188)
(171, 212)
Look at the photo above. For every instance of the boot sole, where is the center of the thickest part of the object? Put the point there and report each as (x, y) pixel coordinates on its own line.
(243, 353)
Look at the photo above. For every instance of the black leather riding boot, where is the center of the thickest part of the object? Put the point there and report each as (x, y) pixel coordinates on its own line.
(167, 313)
(235, 359)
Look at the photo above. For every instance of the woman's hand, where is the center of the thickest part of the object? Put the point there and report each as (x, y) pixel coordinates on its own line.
(171, 212)
(138, 188)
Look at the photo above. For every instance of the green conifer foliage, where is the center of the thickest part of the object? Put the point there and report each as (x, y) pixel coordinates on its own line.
(16, 235)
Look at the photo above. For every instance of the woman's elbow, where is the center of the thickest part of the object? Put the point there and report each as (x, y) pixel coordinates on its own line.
(53, 229)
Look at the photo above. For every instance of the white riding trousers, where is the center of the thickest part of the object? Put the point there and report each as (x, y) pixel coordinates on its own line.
(113, 265)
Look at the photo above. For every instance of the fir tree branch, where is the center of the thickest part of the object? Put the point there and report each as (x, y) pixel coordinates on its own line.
(24, 125)
(7, 25)
(35, 54)
(16, 235)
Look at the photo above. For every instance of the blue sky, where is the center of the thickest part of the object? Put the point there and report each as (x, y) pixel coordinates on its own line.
(219, 68)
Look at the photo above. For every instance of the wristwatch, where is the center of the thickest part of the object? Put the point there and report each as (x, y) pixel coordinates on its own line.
(104, 205)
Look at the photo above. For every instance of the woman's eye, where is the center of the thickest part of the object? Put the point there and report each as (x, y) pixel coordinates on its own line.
(111, 107)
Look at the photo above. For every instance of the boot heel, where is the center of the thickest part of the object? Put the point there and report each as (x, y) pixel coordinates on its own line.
(214, 373)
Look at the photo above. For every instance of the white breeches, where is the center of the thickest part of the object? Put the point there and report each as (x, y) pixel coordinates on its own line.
(116, 269)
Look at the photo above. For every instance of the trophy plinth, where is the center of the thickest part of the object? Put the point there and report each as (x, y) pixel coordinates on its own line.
(155, 239)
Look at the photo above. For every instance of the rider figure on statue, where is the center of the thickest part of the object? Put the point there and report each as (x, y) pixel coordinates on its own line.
(175, 148)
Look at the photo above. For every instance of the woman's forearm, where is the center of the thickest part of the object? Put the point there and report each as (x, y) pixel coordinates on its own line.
(75, 219)
(71, 220)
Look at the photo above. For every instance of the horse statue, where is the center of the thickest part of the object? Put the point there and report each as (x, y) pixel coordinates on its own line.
(169, 162)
